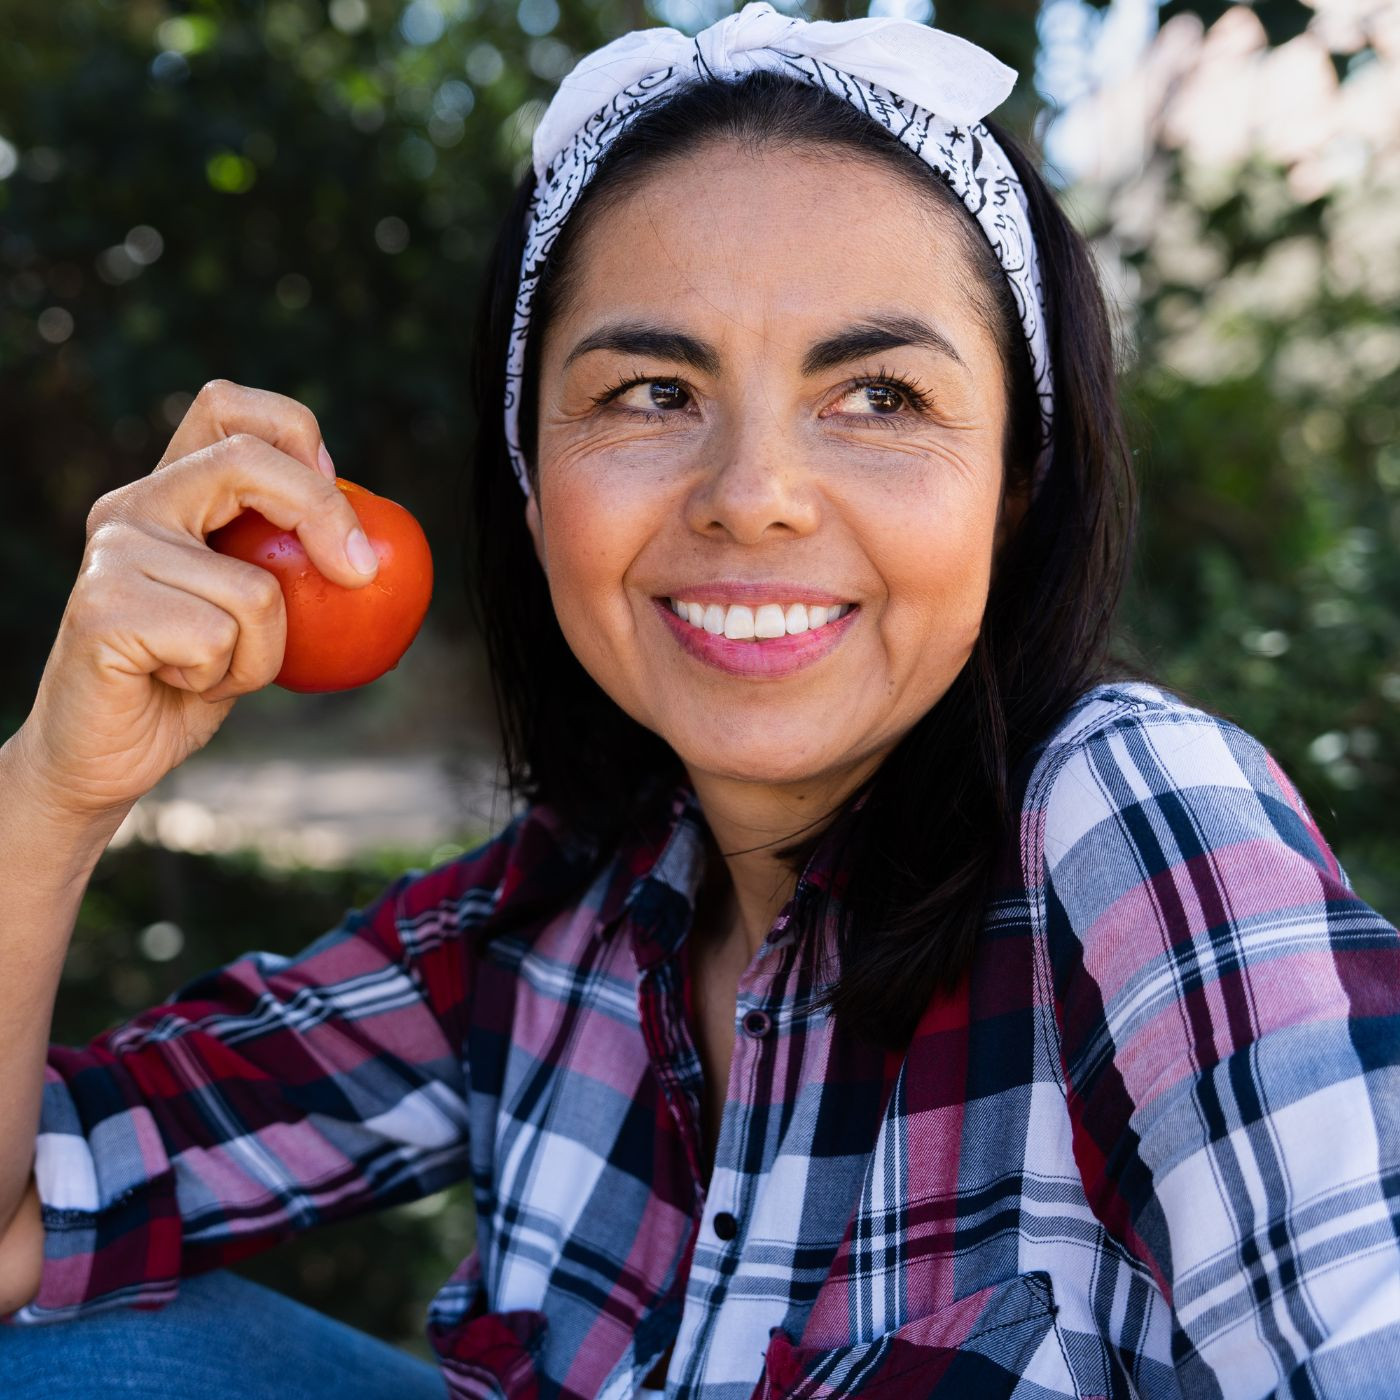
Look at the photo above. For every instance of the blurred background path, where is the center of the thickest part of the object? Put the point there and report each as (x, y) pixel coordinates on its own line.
(319, 811)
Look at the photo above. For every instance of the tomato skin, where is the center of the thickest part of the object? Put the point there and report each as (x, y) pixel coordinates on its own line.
(339, 638)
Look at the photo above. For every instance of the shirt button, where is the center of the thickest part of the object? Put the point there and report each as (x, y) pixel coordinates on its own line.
(757, 1024)
(726, 1227)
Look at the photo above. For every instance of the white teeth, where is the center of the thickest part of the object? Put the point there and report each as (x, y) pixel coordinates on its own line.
(738, 623)
(768, 620)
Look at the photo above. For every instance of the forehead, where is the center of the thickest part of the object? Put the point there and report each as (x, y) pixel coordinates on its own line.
(773, 238)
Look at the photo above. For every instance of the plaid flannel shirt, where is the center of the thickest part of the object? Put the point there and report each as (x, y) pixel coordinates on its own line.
(1151, 1147)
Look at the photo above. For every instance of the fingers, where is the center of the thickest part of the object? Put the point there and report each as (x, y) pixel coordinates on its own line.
(223, 409)
(193, 640)
(177, 611)
(192, 497)
(148, 627)
(216, 662)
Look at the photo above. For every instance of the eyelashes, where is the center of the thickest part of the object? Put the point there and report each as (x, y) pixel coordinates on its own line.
(630, 381)
(916, 398)
(916, 395)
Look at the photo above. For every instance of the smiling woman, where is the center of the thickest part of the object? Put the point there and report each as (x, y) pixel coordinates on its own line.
(761, 279)
(878, 993)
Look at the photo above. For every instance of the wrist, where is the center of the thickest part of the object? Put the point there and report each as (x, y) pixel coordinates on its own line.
(33, 805)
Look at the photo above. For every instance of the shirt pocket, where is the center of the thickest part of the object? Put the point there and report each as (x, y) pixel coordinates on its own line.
(982, 1345)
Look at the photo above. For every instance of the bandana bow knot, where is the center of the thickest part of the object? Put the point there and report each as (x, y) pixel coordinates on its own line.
(936, 70)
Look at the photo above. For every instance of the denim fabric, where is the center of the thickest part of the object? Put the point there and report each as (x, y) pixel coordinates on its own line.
(222, 1338)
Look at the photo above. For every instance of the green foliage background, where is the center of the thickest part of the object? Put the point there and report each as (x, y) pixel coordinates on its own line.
(299, 195)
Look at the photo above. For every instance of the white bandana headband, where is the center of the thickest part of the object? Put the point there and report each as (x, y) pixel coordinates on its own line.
(929, 88)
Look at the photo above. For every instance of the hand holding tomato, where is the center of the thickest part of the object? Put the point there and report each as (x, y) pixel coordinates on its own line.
(338, 637)
(162, 633)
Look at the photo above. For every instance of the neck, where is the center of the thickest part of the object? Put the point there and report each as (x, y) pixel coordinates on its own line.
(750, 823)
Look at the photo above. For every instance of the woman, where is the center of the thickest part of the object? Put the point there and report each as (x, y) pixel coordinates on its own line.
(872, 998)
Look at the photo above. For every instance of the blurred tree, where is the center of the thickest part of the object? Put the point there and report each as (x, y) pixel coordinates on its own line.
(1260, 298)
(1282, 19)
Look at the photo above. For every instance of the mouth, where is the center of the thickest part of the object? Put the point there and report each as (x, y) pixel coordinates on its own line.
(740, 622)
(761, 641)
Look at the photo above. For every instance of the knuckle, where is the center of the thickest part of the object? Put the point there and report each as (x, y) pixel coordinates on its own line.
(97, 603)
(243, 677)
(261, 592)
(306, 418)
(220, 637)
(83, 614)
(104, 509)
(216, 391)
(239, 442)
(246, 451)
(102, 543)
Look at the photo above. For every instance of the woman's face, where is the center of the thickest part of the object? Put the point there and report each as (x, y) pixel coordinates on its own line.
(769, 401)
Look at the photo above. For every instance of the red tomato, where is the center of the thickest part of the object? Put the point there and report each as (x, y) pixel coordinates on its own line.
(338, 638)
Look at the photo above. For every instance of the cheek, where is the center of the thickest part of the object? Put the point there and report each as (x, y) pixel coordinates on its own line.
(593, 530)
(936, 563)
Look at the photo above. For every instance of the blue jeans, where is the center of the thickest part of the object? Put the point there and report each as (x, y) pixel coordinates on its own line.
(222, 1338)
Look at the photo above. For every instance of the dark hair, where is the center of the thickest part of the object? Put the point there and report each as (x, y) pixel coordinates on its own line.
(919, 843)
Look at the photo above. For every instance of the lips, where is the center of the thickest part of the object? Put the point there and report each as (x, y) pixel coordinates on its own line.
(759, 657)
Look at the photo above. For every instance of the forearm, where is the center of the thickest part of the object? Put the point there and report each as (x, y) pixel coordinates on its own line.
(45, 863)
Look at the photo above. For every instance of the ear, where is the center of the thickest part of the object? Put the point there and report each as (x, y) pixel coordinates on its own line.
(535, 526)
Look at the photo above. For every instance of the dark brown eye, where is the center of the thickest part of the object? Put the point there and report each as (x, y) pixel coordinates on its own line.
(884, 398)
(666, 393)
(650, 396)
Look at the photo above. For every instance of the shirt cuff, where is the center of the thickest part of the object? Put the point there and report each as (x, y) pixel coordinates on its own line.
(112, 1228)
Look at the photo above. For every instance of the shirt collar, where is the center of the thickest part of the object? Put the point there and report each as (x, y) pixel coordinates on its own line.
(656, 874)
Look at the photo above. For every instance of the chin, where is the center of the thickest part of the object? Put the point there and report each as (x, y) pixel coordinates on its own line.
(765, 764)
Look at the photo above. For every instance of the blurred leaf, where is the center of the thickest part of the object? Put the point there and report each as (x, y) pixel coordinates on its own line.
(1282, 19)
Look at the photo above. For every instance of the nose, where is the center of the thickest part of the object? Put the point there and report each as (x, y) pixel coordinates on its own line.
(756, 487)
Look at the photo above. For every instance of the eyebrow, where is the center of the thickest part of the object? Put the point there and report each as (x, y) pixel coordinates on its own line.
(867, 337)
(872, 336)
(660, 341)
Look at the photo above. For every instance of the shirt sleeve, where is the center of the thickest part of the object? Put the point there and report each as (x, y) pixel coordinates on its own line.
(264, 1097)
(1229, 1014)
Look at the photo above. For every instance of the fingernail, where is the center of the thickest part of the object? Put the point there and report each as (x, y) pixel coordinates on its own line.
(360, 552)
(323, 459)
